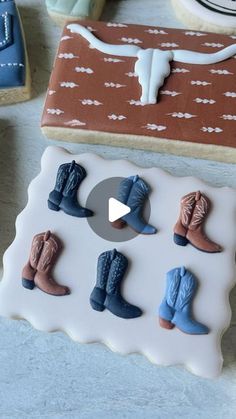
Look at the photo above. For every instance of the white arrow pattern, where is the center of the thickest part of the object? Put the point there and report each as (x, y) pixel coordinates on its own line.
(135, 102)
(211, 129)
(180, 70)
(199, 83)
(114, 117)
(131, 40)
(90, 102)
(230, 94)
(229, 117)
(172, 93)
(113, 60)
(114, 85)
(52, 111)
(83, 70)
(225, 72)
(182, 115)
(212, 44)
(156, 31)
(69, 84)
(67, 55)
(75, 123)
(204, 101)
(154, 127)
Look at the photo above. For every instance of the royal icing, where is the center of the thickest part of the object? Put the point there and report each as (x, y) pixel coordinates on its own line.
(150, 257)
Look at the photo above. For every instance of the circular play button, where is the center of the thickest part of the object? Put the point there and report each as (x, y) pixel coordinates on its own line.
(116, 217)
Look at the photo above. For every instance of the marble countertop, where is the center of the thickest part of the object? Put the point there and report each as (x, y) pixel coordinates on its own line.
(47, 375)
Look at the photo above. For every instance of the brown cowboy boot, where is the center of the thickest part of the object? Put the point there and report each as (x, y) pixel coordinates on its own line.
(190, 225)
(50, 247)
(30, 268)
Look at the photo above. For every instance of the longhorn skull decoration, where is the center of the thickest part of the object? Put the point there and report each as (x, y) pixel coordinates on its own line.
(152, 65)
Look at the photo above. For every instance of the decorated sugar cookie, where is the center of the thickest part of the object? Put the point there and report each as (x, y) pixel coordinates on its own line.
(137, 86)
(208, 15)
(108, 308)
(62, 11)
(14, 66)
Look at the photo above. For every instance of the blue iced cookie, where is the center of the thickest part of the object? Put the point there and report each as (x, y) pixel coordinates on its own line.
(69, 10)
(14, 72)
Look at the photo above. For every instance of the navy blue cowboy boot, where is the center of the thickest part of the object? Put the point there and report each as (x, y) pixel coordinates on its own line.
(133, 192)
(64, 195)
(111, 269)
(176, 308)
(12, 49)
(98, 295)
(114, 302)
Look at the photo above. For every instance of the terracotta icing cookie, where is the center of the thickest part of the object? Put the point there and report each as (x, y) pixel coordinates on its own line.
(208, 15)
(14, 66)
(91, 314)
(62, 11)
(153, 88)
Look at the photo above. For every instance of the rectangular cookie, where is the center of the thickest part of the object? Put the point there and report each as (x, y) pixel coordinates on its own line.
(150, 257)
(14, 66)
(95, 96)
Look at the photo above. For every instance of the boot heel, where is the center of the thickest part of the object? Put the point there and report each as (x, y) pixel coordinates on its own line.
(180, 240)
(97, 299)
(97, 306)
(166, 324)
(28, 284)
(53, 206)
(118, 224)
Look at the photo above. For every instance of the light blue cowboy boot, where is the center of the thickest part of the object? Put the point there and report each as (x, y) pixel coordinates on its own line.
(166, 309)
(111, 269)
(176, 308)
(64, 194)
(133, 192)
(183, 307)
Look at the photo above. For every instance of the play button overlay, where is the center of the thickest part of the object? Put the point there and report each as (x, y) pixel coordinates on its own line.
(108, 209)
(116, 210)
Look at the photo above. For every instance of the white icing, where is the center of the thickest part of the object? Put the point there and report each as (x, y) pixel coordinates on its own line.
(114, 85)
(172, 93)
(155, 127)
(144, 285)
(185, 115)
(84, 70)
(90, 102)
(204, 101)
(211, 129)
(229, 117)
(230, 94)
(190, 57)
(114, 117)
(68, 84)
(152, 65)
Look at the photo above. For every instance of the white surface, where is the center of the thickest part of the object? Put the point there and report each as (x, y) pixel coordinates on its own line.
(54, 376)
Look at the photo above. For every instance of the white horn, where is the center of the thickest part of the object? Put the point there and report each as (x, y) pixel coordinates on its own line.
(119, 50)
(191, 57)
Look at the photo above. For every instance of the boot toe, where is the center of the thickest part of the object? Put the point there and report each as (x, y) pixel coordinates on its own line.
(149, 230)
